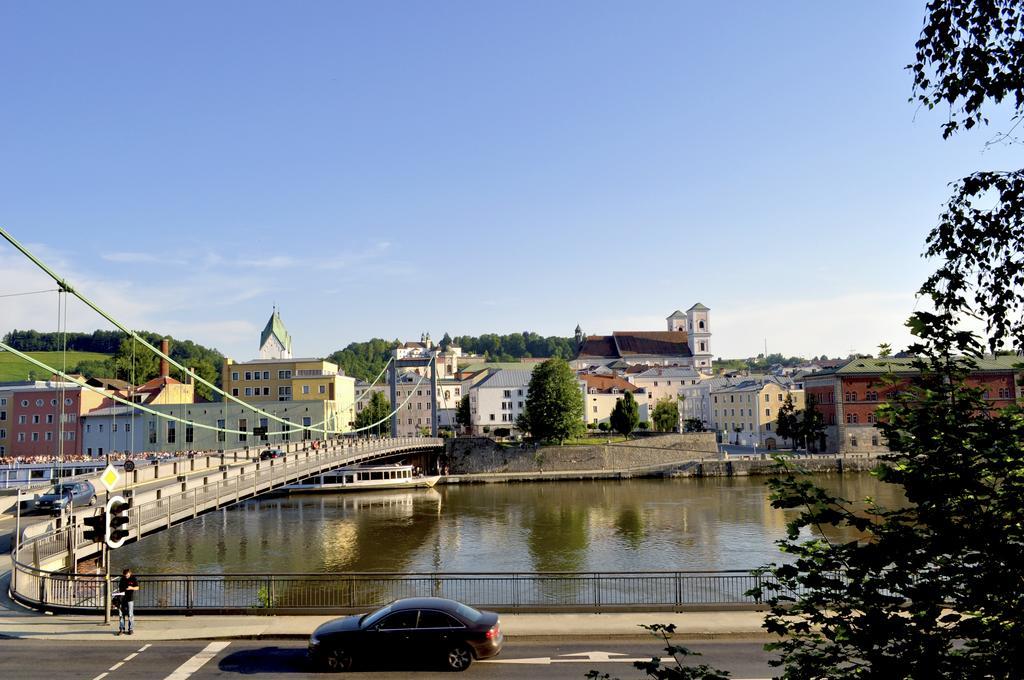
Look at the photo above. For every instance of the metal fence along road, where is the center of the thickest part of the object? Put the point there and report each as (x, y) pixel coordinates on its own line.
(359, 592)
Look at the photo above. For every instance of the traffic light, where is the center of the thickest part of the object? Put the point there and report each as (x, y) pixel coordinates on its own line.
(96, 527)
(117, 521)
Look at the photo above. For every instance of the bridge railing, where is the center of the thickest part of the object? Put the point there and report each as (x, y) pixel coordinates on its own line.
(360, 592)
(223, 486)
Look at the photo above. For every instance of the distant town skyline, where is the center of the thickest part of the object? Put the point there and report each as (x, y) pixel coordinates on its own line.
(385, 170)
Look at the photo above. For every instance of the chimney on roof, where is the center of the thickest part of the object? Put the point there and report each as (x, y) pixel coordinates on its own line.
(165, 368)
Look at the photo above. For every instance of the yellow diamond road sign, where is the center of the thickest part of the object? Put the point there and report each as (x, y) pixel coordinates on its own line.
(110, 477)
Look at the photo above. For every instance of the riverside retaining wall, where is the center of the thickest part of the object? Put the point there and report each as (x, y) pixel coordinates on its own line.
(478, 455)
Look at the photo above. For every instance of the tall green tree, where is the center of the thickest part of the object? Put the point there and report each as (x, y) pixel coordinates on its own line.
(934, 588)
(554, 405)
(625, 415)
(375, 415)
(133, 361)
(666, 415)
(787, 423)
(462, 413)
(812, 425)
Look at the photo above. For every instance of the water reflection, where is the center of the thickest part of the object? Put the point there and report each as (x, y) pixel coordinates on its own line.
(633, 525)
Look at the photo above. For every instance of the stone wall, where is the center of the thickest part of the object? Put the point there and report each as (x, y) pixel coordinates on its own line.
(767, 466)
(483, 455)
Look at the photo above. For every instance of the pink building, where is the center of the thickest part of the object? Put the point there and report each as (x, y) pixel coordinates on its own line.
(35, 412)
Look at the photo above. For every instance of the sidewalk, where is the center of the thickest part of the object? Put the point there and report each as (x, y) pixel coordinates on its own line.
(17, 621)
(689, 625)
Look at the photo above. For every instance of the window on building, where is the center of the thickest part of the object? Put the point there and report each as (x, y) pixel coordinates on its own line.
(21, 420)
(35, 420)
(248, 375)
(234, 391)
(3, 415)
(49, 418)
(853, 442)
(21, 436)
(284, 375)
(305, 389)
(768, 412)
(266, 375)
(152, 432)
(49, 436)
(113, 428)
(190, 434)
(172, 432)
(243, 425)
(234, 375)
(323, 389)
(307, 422)
(248, 391)
(492, 416)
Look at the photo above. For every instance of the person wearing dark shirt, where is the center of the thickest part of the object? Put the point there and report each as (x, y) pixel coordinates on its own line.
(126, 586)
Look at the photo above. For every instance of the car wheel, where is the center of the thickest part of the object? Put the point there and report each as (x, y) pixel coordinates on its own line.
(337, 661)
(458, 659)
(92, 501)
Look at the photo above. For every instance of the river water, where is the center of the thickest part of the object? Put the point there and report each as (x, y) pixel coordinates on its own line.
(630, 525)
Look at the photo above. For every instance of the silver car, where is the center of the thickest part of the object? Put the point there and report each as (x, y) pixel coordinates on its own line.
(58, 496)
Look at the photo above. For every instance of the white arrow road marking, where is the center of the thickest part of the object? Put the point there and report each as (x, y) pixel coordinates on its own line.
(198, 661)
(597, 656)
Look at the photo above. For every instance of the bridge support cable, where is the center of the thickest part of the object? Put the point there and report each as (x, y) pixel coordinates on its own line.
(46, 367)
(67, 287)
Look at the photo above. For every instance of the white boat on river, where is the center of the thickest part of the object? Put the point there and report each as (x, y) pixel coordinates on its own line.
(364, 478)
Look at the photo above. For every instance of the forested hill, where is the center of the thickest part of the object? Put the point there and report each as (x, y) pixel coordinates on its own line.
(139, 365)
(364, 360)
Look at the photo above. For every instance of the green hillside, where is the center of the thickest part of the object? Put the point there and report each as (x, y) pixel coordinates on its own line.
(15, 368)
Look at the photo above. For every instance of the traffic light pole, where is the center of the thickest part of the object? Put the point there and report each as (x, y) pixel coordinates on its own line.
(106, 585)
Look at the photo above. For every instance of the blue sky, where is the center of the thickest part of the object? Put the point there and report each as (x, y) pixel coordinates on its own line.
(384, 169)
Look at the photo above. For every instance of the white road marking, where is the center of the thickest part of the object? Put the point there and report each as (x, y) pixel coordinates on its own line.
(121, 662)
(198, 661)
(591, 657)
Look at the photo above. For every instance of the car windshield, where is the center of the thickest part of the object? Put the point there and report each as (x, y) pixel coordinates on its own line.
(57, 490)
(468, 613)
(376, 616)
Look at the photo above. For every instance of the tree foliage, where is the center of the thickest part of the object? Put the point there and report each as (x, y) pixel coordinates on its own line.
(364, 360)
(811, 432)
(625, 415)
(516, 346)
(658, 670)
(102, 342)
(935, 588)
(462, 413)
(375, 415)
(554, 405)
(787, 423)
(666, 415)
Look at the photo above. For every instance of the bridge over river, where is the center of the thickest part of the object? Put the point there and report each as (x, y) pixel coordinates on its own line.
(169, 493)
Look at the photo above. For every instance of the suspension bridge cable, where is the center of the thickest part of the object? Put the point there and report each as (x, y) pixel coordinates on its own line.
(67, 287)
(29, 292)
(4, 346)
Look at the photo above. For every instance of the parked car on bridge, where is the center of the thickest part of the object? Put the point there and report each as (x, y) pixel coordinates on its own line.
(57, 497)
(427, 630)
(271, 453)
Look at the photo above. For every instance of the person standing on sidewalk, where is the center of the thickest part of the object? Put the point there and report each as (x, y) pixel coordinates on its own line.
(127, 585)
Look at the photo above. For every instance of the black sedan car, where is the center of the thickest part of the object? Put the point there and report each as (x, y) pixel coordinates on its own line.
(428, 630)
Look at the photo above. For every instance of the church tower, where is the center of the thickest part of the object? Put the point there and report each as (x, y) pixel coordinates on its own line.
(698, 328)
(275, 343)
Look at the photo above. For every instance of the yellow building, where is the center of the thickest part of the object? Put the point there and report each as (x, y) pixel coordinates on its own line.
(603, 392)
(747, 413)
(277, 376)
